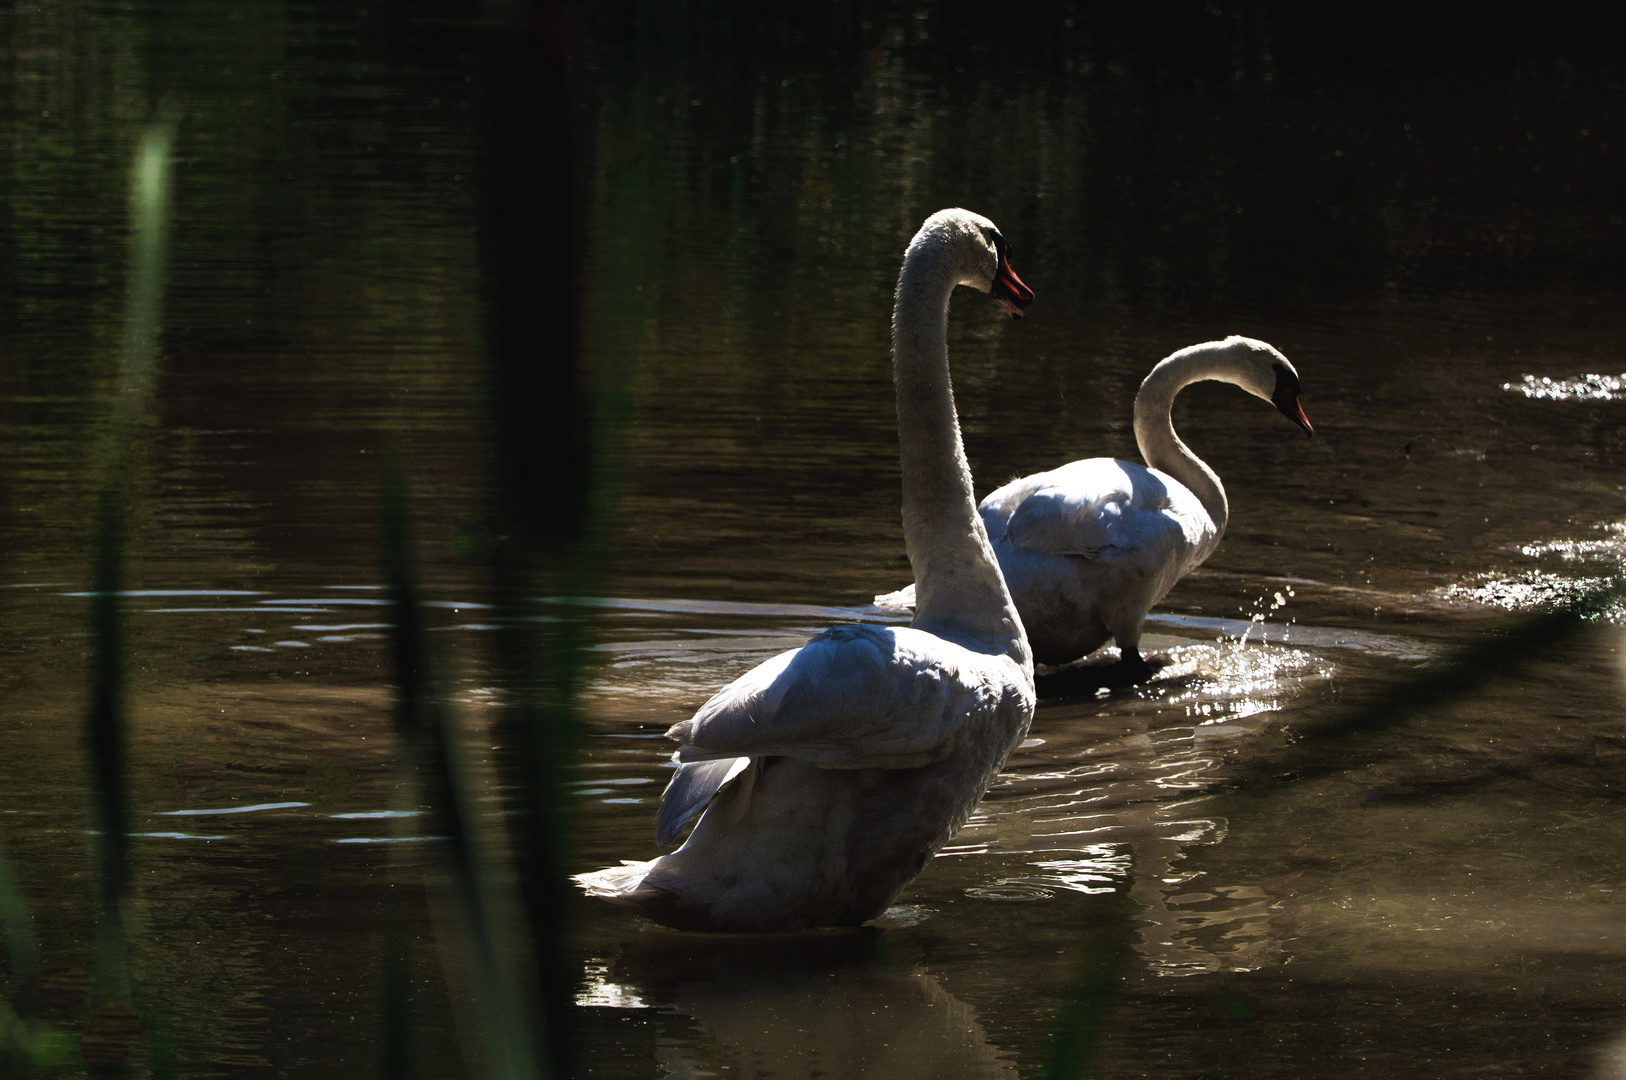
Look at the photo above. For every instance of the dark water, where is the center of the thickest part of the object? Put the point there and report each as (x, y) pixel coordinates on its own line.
(1418, 234)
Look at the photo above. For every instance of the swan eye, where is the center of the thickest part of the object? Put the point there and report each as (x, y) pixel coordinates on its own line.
(1002, 250)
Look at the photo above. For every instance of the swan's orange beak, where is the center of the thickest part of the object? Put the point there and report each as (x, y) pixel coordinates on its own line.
(1008, 289)
(1291, 407)
(1286, 398)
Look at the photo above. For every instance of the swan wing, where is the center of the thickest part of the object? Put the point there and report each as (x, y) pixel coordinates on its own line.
(690, 789)
(853, 697)
(1077, 509)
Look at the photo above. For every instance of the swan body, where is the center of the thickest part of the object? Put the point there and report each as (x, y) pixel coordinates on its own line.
(1088, 548)
(824, 778)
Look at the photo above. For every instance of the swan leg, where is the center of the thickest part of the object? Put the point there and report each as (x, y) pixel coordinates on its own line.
(1085, 678)
(1133, 665)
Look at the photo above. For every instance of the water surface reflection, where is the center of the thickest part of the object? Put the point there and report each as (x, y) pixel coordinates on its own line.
(836, 1004)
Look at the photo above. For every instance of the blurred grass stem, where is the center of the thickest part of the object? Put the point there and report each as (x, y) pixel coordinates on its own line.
(149, 237)
(496, 952)
(17, 927)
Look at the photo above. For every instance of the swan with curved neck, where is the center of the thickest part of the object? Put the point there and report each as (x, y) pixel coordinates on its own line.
(1088, 548)
(824, 778)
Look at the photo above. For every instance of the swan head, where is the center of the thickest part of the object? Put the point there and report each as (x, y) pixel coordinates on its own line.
(1265, 373)
(977, 255)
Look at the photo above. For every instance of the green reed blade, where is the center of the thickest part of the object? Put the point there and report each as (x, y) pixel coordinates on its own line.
(496, 950)
(150, 182)
(105, 730)
(1106, 945)
(556, 405)
(536, 664)
(17, 927)
(397, 1059)
(163, 1058)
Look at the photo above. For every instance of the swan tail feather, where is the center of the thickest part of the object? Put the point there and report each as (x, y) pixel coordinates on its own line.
(900, 602)
(642, 887)
(614, 883)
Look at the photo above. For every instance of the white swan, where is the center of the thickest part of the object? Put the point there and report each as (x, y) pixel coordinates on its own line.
(826, 777)
(1088, 548)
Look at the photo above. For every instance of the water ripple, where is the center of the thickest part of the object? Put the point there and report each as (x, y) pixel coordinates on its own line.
(233, 809)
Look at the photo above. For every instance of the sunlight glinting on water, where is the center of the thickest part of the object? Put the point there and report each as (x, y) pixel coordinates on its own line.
(1577, 388)
(599, 988)
(1611, 549)
(1535, 588)
(1529, 590)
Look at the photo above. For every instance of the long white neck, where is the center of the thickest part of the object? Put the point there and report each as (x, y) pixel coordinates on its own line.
(959, 591)
(1160, 447)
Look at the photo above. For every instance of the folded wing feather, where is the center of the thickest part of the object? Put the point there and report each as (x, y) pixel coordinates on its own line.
(853, 697)
(1077, 509)
(690, 789)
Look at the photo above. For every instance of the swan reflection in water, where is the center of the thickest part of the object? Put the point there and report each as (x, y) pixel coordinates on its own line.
(823, 1003)
(863, 1002)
